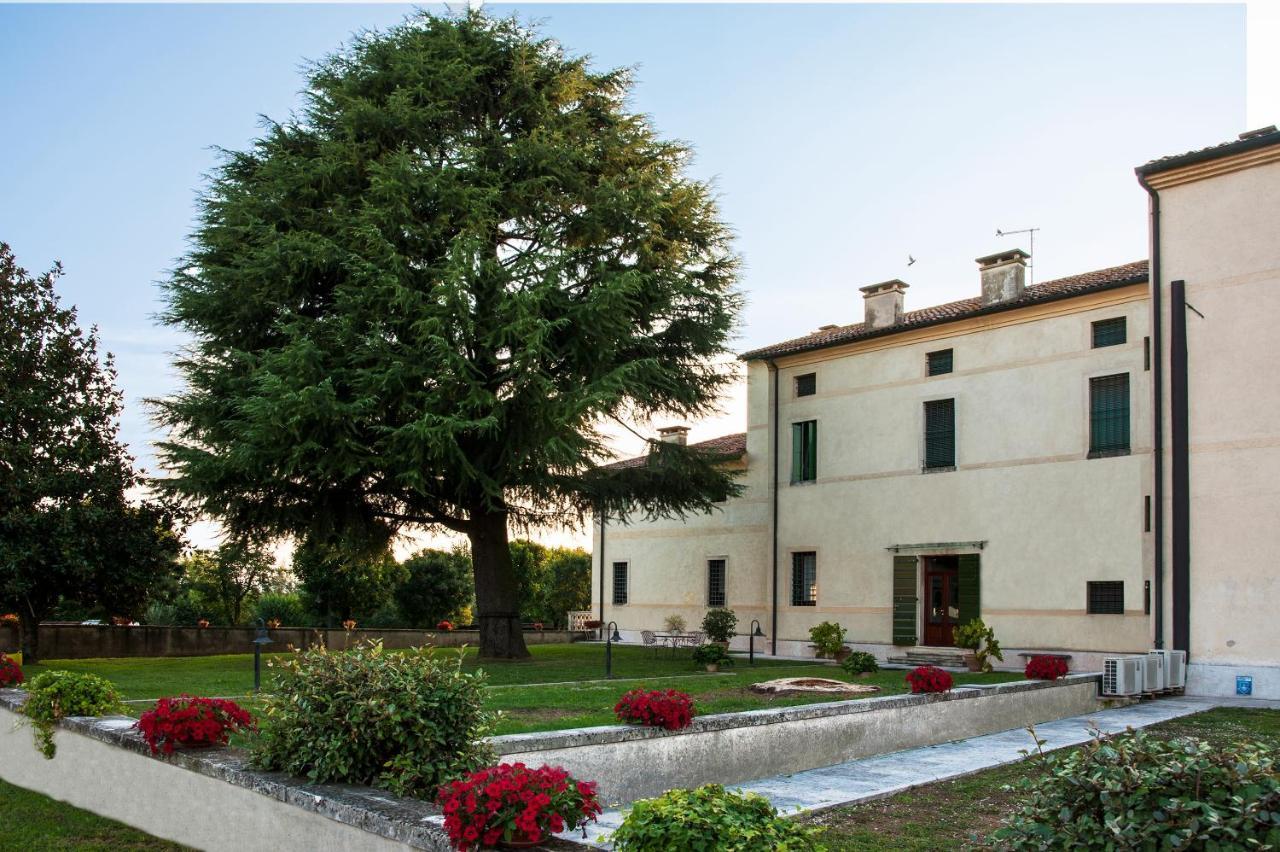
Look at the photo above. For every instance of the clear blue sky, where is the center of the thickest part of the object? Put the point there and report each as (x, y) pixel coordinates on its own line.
(841, 138)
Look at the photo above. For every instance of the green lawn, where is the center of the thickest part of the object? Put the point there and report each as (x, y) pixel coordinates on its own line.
(949, 814)
(553, 690)
(34, 823)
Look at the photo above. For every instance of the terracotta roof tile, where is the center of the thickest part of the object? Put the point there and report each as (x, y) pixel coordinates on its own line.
(732, 446)
(1061, 288)
(1262, 138)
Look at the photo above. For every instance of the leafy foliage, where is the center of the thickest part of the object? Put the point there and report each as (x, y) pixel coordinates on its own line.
(655, 708)
(512, 803)
(55, 695)
(438, 587)
(407, 722)
(192, 721)
(227, 582)
(711, 818)
(712, 654)
(1137, 791)
(417, 304)
(674, 623)
(827, 638)
(340, 583)
(719, 624)
(976, 636)
(929, 679)
(860, 662)
(283, 609)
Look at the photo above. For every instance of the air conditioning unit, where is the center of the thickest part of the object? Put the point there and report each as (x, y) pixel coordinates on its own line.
(1155, 674)
(1175, 668)
(1123, 675)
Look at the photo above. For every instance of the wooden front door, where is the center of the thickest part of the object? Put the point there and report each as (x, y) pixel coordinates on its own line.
(941, 600)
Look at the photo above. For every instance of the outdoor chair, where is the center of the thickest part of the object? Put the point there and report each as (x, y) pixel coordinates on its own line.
(694, 639)
(650, 640)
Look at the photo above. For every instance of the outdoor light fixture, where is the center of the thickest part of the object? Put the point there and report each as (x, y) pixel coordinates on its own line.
(755, 633)
(609, 639)
(258, 641)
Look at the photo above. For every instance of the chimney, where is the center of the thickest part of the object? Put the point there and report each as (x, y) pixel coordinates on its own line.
(674, 435)
(882, 303)
(1004, 276)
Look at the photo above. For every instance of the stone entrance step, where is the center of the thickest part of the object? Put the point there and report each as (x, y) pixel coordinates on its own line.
(943, 659)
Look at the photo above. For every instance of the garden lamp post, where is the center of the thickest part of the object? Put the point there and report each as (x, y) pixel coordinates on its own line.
(756, 633)
(609, 639)
(258, 641)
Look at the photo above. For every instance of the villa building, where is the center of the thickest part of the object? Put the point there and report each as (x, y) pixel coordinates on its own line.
(1091, 464)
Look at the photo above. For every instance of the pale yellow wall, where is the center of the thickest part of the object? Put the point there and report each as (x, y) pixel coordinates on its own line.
(1221, 234)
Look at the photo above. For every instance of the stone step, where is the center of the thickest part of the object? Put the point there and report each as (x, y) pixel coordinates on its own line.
(926, 658)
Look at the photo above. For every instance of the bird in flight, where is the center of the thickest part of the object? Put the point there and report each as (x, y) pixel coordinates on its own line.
(910, 260)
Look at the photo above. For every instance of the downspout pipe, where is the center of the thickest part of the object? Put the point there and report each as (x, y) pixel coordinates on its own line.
(604, 518)
(1157, 419)
(773, 505)
(1180, 479)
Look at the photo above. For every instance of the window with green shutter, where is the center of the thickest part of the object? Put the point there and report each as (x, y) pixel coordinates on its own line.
(1109, 416)
(905, 600)
(1109, 332)
(804, 579)
(940, 434)
(804, 451)
(938, 362)
(970, 578)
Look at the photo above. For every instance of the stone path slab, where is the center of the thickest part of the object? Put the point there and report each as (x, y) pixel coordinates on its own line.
(887, 774)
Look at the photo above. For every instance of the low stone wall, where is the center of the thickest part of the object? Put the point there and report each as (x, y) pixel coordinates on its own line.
(84, 641)
(631, 763)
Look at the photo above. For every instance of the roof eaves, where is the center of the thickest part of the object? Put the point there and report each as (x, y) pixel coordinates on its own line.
(1203, 155)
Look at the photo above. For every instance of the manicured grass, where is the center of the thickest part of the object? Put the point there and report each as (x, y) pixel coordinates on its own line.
(31, 821)
(559, 688)
(949, 814)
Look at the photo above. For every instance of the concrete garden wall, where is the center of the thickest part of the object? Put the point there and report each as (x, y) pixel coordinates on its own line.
(631, 763)
(84, 641)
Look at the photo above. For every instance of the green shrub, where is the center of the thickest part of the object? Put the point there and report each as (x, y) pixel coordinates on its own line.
(1137, 791)
(719, 624)
(285, 608)
(972, 637)
(56, 695)
(827, 638)
(404, 721)
(712, 654)
(161, 615)
(711, 818)
(860, 662)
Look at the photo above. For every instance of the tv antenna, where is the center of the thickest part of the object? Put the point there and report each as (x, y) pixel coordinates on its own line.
(1031, 267)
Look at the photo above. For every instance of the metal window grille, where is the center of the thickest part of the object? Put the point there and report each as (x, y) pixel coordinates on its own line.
(1109, 332)
(804, 579)
(1106, 597)
(807, 384)
(939, 434)
(1109, 415)
(620, 583)
(939, 362)
(804, 451)
(715, 582)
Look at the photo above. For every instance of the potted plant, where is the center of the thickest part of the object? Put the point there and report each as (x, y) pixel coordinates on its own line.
(445, 626)
(860, 663)
(980, 644)
(674, 623)
(349, 625)
(202, 623)
(828, 641)
(273, 623)
(514, 805)
(718, 625)
(713, 655)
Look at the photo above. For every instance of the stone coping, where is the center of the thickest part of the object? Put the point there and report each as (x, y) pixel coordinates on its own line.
(575, 737)
(408, 821)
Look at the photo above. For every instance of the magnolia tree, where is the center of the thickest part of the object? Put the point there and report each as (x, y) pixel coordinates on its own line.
(418, 303)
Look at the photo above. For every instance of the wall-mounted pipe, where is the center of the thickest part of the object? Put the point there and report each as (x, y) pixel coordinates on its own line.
(1157, 399)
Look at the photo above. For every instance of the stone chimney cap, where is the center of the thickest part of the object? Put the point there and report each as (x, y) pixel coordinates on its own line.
(893, 285)
(1000, 257)
(673, 434)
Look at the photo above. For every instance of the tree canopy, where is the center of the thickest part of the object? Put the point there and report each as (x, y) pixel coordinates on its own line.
(418, 303)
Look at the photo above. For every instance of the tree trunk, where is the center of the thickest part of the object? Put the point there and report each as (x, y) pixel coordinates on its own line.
(496, 593)
(29, 638)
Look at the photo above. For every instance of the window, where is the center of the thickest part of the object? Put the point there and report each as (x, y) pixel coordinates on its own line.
(940, 434)
(715, 582)
(1106, 597)
(804, 579)
(807, 384)
(1146, 353)
(804, 451)
(938, 362)
(1109, 332)
(1109, 416)
(1146, 514)
(620, 583)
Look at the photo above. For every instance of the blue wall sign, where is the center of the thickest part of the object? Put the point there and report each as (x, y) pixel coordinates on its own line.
(1244, 685)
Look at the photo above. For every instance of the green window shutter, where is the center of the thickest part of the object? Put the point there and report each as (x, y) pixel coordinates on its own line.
(905, 599)
(797, 451)
(939, 433)
(1109, 332)
(804, 451)
(1109, 415)
(970, 577)
(811, 460)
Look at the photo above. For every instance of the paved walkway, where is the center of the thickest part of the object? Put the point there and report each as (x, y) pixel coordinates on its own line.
(887, 774)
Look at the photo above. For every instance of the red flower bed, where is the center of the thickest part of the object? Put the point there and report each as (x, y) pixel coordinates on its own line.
(672, 709)
(191, 721)
(10, 672)
(929, 679)
(512, 803)
(445, 626)
(1046, 668)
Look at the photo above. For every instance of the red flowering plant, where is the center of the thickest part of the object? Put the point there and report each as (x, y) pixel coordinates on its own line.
(191, 721)
(446, 626)
(1045, 667)
(10, 672)
(511, 803)
(672, 709)
(929, 679)
(9, 618)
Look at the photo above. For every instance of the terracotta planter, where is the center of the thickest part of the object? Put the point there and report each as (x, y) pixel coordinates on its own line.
(971, 661)
(518, 844)
(713, 667)
(865, 674)
(843, 654)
